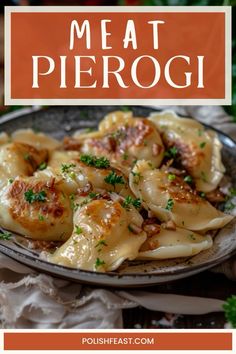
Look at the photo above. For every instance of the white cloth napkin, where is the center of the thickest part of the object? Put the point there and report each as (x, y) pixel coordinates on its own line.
(32, 300)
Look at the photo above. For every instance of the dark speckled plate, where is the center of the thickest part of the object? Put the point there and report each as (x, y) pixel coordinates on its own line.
(58, 121)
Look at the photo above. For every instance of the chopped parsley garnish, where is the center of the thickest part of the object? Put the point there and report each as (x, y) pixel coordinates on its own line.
(78, 230)
(32, 197)
(98, 162)
(130, 228)
(171, 152)
(203, 176)
(10, 180)
(131, 201)
(27, 157)
(137, 176)
(192, 237)
(93, 195)
(99, 263)
(5, 235)
(232, 192)
(202, 145)
(230, 310)
(229, 206)
(171, 177)
(200, 132)
(100, 244)
(188, 179)
(41, 217)
(42, 166)
(114, 179)
(125, 156)
(169, 205)
(65, 168)
(202, 194)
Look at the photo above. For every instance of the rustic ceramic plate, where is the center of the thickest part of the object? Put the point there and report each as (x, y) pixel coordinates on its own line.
(59, 121)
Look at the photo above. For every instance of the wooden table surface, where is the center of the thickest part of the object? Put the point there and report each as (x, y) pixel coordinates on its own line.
(206, 284)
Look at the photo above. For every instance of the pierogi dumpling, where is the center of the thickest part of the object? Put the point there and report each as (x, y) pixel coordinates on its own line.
(37, 209)
(105, 234)
(123, 140)
(19, 159)
(175, 243)
(38, 140)
(173, 199)
(74, 173)
(199, 149)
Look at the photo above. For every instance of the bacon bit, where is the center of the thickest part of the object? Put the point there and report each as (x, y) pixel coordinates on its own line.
(85, 190)
(152, 229)
(169, 225)
(71, 144)
(44, 245)
(51, 182)
(150, 220)
(215, 196)
(176, 171)
(156, 149)
(153, 244)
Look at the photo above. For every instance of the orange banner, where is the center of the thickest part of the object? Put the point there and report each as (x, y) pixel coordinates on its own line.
(118, 341)
(115, 54)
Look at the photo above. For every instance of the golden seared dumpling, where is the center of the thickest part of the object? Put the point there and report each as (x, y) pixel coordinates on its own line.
(174, 243)
(123, 139)
(199, 149)
(170, 198)
(38, 140)
(105, 234)
(19, 159)
(80, 171)
(37, 209)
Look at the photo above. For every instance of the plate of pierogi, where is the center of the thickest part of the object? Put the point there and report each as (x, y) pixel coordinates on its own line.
(116, 196)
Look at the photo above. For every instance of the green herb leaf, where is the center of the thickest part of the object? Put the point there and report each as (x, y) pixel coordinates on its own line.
(32, 197)
(99, 263)
(169, 205)
(188, 179)
(101, 243)
(232, 192)
(171, 177)
(200, 132)
(192, 237)
(171, 152)
(202, 145)
(42, 166)
(41, 217)
(229, 206)
(98, 162)
(230, 310)
(114, 179)
(5, 235)
(125, 156)
(27, 157)
(202, 194)
(203, 176)
(131, 201)
(78, 230)
(65, 168)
